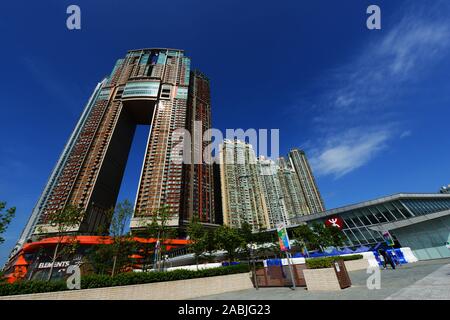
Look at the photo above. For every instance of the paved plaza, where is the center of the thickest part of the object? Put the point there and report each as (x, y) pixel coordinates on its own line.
(421, 280)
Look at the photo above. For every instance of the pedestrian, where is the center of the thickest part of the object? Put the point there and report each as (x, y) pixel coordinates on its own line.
(381, 256)
(387, 259)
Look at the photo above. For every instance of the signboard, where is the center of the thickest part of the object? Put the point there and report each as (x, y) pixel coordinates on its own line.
(388, 238)
(283, 237)
(57, 264)
(335, 222)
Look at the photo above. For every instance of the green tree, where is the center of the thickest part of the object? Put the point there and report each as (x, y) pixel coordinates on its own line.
(196, 233)
(160, 229)
(305, 237)
(100, 258)
(112, 258)
(230, 240)
(122, 240)
(249, 239)
(318, 236)
(5, 219)
(62, 223)
(336, 235)
(210, 244)
(268, 243)
(328, 236)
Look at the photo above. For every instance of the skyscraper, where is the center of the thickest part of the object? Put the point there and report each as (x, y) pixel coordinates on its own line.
(292, 191)
(198, 187)
(307, 181)
(273, 193)
(241, 186)
(152, 87)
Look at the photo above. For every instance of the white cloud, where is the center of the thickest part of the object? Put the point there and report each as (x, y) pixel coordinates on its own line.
(375, 78)
(405, 134)
(368, 91)
(341, 156)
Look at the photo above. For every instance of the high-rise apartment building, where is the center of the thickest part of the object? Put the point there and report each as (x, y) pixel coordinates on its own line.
(241, 186)
(199, 177)
(292, 191)
(273, 192)
(307, 181)
(262, 192)
(152, 87)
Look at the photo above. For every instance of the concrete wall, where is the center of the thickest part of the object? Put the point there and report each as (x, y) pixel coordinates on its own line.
(321, 279)
(426, 239)
(170, 290)
(354, 265)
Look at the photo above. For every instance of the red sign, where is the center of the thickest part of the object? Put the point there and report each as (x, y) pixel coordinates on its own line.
(335, 222)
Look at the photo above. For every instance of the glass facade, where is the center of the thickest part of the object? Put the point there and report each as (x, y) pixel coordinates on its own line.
(141, 89)
(359, 220)
(421, 207)
(182, 93)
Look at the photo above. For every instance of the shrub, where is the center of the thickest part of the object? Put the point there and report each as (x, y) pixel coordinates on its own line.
(24, 287)
(327, 262)
(352, 257)
(123, 279)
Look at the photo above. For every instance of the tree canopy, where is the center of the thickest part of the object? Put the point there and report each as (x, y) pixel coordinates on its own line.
(5, 218)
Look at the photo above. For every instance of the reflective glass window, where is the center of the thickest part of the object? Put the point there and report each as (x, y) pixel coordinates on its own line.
(370, 216)
(397, 214)
(378, 214)
(349, 223)
(356, 221)
(364, 218)
(352, 237)
(366, 235)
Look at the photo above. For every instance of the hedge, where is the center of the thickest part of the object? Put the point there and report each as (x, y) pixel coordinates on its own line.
(123, 279)
(101, 281)
(25, 287)
(327, 262)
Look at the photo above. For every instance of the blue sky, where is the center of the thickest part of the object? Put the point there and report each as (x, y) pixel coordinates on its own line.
(370, 108)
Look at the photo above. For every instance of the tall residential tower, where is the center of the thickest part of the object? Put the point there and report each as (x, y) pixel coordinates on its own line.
(154, 87)
(294, 198)
(241, 186)
(273, 192)
(307, 181)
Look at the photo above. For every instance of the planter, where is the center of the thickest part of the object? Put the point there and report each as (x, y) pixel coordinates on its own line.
(354, 265)
(321, 279)
(279, 276)
(169, 290)
(328, 279)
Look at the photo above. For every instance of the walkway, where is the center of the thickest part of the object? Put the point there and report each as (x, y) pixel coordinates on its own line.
(421, 280)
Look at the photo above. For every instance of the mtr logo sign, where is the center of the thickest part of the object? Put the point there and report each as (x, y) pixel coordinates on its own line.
(335, 222)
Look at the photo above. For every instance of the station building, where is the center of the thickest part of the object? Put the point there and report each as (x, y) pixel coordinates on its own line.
(418, 221)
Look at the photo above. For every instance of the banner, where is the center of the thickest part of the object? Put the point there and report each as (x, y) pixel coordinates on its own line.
(283, 237)
(388, 238)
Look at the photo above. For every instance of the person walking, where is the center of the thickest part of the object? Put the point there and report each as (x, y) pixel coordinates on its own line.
(382, 259)
(387, 259)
